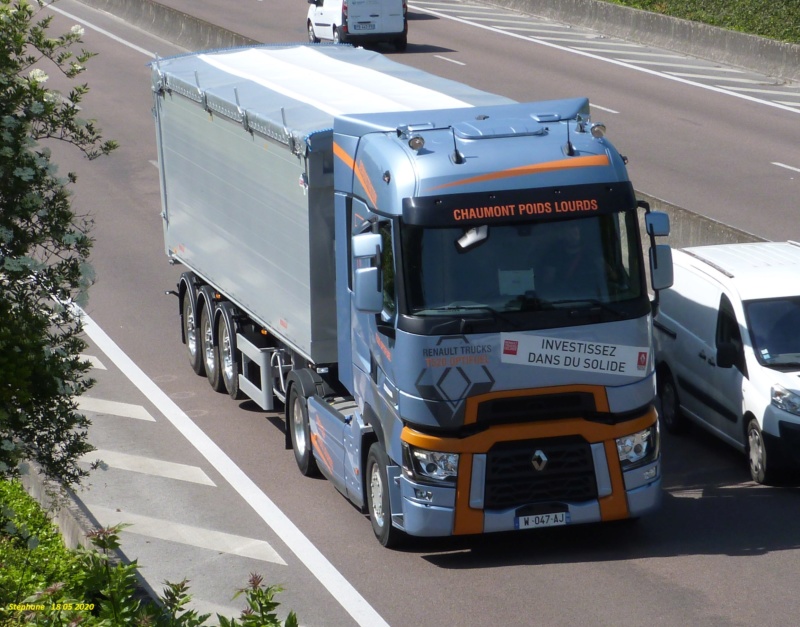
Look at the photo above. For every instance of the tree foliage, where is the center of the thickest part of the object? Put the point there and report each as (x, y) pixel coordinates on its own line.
(44, 244)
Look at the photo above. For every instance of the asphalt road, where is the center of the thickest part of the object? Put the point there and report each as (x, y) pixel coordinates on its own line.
(722, 551)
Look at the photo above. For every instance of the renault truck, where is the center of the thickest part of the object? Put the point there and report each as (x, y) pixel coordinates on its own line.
(446, 293)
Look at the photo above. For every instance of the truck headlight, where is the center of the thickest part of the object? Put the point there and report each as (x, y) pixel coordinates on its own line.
(784, 399)
(429, 466)
(639, 448)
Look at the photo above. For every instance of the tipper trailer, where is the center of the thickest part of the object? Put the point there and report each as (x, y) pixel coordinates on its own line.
(445, 290)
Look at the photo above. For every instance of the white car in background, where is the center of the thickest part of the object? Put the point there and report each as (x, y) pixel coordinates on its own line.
(358, 21)
(727, 336)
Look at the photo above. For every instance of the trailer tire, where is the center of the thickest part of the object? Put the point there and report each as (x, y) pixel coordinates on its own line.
(378, 503)
(227, 350)
(300, 432)
(208, 349)
(190, 334)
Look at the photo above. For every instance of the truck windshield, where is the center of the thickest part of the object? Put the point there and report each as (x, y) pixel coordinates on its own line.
(773, 330)
(579, 263)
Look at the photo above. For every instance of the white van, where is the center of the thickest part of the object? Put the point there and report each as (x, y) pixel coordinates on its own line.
(727, 337)
(358, 21)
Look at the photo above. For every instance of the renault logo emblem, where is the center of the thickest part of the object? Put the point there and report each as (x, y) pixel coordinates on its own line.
(539, 460)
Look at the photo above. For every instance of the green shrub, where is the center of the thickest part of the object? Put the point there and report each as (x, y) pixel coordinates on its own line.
(774, 19)
(44, 584)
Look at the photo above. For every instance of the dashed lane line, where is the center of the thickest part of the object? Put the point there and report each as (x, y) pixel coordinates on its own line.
(190, 535)
(115, 408)
(149, 466)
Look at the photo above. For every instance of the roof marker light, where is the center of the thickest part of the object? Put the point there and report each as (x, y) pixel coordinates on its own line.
(598, 130)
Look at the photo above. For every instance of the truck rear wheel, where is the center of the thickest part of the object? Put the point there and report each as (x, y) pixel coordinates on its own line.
(228, 353)
(190, 335)
(207, 348)
(300, 431)
(378, 503)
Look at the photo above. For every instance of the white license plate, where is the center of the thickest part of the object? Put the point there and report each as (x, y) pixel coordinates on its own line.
(370, 26)
(537, 521)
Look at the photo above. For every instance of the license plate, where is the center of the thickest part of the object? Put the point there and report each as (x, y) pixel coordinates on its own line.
(537, 521)
(369, 26)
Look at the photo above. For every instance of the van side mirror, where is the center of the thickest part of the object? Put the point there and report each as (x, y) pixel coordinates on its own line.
(726, 354)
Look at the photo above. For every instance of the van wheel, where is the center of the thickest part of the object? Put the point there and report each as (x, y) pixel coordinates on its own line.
(208, 350)
(762, 465)
(671, 416)
(312, 37)
(190, 333)
(337, 36)
(300, 431)
(378, 504)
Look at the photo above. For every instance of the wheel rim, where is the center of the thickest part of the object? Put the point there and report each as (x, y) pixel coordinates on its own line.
(335, 36)
(756, 452)
(226, 353)
(190, 330)
(376, 490)
(311, 37)
(298, 428)
(208, 344)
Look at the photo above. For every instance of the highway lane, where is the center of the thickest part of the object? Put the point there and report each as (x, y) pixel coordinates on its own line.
(721, 559)
(704, 148)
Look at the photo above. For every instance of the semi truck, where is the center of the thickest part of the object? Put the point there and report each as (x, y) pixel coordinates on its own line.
(445, 291)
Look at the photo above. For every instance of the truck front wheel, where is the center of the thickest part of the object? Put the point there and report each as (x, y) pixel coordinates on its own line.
(380, 509)
(300, 430)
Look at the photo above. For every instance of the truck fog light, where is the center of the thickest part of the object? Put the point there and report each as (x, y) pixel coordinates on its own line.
(423, 495)
(639, 448)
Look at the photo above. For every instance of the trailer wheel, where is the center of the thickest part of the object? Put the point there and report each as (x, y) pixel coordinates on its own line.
(378, 504)
(208, 350)
(190, 334)
(297, 423)
(228, 353)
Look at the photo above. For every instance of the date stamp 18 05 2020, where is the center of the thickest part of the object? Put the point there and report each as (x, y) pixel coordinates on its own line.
(50, 607)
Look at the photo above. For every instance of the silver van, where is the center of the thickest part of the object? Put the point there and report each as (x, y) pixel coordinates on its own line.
(727, 338)
(358, 21)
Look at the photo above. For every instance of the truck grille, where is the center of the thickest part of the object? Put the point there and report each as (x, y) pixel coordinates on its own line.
(512, 480)
(536, 407)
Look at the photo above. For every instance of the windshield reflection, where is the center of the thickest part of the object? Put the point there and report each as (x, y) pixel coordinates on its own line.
(585, 262)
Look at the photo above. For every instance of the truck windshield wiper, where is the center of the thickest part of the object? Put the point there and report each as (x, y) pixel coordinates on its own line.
(590, 301)
(478, 307)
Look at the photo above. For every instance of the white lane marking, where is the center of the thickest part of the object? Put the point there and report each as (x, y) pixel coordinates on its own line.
(775, 92)
(187, 534)
(150, 466)
(783, 165)
(626, 64)
(715, 77)
(319, 566)
(607, 110)
(102, 31)
(690, 66)
(96, 363)
(438, 56)
(114, 408)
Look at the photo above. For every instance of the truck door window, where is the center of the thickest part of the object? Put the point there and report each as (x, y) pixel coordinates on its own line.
(387, 271)
(728, 331)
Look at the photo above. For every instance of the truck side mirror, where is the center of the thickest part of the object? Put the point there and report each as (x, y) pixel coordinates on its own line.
(661, 266)
(657, 223)
(367, 288)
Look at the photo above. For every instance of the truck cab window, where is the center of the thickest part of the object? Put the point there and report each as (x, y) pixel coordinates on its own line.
(387, 271)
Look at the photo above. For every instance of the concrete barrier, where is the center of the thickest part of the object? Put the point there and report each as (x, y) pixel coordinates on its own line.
(653, 29)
